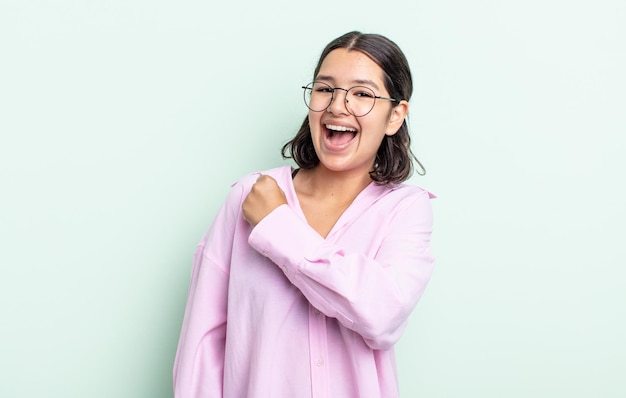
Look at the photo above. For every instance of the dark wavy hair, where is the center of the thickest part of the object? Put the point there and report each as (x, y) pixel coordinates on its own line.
(394, 159)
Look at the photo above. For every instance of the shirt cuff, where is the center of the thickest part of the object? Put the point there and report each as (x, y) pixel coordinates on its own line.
(286, 239)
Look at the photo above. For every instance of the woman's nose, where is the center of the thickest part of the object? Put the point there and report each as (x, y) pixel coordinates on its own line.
(339, 103)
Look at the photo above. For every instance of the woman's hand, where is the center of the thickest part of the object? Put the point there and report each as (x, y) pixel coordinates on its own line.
(264, 197)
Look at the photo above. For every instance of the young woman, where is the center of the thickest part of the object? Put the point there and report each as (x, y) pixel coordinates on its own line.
(306, 278)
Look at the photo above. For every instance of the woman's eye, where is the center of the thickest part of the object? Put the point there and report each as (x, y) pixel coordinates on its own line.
(364, 94)
(324, 90)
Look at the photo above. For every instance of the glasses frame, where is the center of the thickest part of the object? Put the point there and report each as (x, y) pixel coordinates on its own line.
(309, 87)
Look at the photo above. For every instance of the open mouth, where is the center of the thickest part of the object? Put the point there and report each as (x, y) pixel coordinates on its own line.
(339, 136)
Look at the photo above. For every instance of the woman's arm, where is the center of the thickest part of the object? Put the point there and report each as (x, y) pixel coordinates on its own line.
(199, 363)
(372, 296)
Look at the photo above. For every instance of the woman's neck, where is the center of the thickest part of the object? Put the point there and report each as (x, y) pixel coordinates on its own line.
(325, 184)
(324, 195)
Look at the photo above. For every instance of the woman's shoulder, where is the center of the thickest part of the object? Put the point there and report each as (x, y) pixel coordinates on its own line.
(406, 200)
(240, 188)
(406, 190)
(418, 190)
(278, 173)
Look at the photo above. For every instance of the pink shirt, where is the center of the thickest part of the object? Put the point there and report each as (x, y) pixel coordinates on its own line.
(278, 311)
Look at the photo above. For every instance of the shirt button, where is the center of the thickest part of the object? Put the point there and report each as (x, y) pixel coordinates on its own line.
(320, 362)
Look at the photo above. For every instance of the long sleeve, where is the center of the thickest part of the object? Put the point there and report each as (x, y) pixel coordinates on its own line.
(199, 363)
(371, 295)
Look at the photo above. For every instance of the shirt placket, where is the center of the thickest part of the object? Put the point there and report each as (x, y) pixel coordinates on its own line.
(319, 354)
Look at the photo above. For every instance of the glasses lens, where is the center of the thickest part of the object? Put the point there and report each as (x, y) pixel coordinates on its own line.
(318, 96)
(360, 100)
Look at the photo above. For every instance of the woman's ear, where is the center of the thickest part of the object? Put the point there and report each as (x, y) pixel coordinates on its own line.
(396, 118)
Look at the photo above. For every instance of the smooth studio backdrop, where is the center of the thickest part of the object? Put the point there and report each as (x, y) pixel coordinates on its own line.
(123, 123)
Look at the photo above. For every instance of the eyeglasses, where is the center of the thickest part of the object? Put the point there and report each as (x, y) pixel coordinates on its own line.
(359, 100)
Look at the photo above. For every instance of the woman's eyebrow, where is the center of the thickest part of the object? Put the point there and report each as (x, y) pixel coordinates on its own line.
(325, 78)
(355, 81)
(366, 82)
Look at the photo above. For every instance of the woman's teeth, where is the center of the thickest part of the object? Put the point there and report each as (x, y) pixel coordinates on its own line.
(339, 128)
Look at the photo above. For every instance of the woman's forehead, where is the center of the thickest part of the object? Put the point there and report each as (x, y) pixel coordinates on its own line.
(354, 67)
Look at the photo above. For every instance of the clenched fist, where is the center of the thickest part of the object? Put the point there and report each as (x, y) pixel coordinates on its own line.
(264, 197)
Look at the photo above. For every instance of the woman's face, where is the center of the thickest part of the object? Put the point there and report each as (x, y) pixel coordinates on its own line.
(342, 141)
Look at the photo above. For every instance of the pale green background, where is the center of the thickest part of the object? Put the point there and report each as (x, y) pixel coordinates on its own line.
(124, 122)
